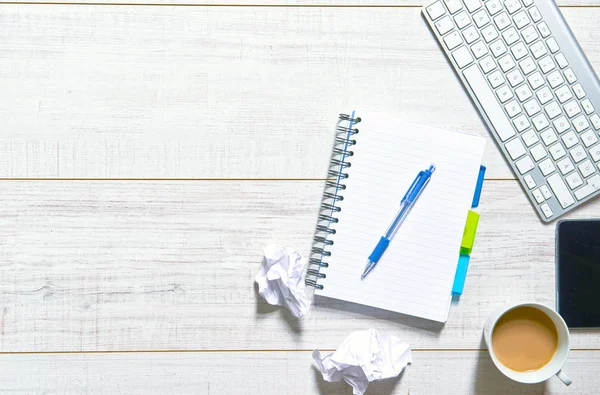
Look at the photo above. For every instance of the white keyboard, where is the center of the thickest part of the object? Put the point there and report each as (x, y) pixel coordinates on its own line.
(534, 87)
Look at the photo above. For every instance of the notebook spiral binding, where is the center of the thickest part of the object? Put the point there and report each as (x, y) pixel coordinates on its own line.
(344, 140)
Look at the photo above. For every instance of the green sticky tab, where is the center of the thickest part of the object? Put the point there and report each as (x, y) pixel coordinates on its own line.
(466, 246)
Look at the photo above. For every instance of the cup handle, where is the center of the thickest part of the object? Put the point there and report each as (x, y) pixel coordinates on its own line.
(563, 377)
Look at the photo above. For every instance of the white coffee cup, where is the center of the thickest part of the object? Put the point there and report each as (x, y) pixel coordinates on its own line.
(551, 368)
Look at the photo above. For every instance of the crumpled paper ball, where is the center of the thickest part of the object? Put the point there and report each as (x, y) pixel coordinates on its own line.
(364, 356)
(280, 279)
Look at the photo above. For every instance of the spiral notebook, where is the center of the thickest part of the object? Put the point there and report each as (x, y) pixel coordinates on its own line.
(375, 160)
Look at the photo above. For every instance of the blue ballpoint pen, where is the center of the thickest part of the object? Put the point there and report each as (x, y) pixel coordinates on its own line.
(406, 204)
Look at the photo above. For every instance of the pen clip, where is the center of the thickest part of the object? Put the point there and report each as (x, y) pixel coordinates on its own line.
(418, 184)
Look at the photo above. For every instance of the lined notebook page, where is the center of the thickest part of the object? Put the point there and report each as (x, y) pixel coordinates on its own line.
(416, 273)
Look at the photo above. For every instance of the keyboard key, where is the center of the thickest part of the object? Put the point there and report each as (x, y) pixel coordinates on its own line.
(574, 180)
(547, 166)
(530, 137)
(570, 139)
(493, 6)
(519, 51)
(502, 21)
(479, 49)
(524, 164)
(436, 10)
(462, 19)
(540, 122)
(515, 148)
(579, 92)
(453, 5)
(563, 94)
(570, 76)
(537, 194)
(521, 123)
(481, 18)
(472, 5)
(462, 57)
(544, 95)
(587, 106)
(453, 40)
(498, 48)
(515, 78)
(580, 123)
(536, 80)
(488, 102)
(496, 79)
(557, 151)
(489, 33)
(538, 49)
(529, 34)
(595, 153)
(521, 19)
(587, 168)
(512, 6)
(572, 108)
(555, 79)
(561, 60)
(560, 190)
(513, 108)
(532, 107)
(538, 152)
(523, 92)
(546, 192)
(535, 14)
(546, 210)
(487, 64)
(506, 63)
(592, 186)
(527, 65)
(527, 3)
(504, 94)
(552, 45)
(588, 138)
(470, 34)
(578, 153)
(444, 25)
(544, 30)
(547, 64)
(529, 181)
(549, 136)
(510, 36)
(561, 124)
(565, 166)
(553, 109)
(595, 121)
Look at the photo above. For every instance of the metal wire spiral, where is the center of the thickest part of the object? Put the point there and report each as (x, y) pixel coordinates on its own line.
(344, 139)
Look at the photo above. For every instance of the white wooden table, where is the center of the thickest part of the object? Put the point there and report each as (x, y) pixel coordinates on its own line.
(150, 151)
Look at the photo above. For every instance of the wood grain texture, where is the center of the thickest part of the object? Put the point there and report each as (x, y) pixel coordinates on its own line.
(278, 3)
(448, 373)
(170, 266)
(217, 92)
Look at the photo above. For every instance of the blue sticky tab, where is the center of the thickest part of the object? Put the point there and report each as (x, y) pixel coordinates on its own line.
(461, 274)
(379, 249)
(478, 187)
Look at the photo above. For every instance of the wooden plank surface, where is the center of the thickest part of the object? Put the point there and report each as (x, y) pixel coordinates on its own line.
(217, 92)
(448, 373)
(170, 266)
(279, 3)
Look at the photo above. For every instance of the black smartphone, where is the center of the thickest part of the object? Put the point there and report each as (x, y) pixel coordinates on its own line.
(578, 272)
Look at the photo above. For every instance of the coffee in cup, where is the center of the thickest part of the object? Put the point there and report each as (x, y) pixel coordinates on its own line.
(524, 339)
(528, 342)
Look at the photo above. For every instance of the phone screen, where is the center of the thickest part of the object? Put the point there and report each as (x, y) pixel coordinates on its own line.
(578, 272)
